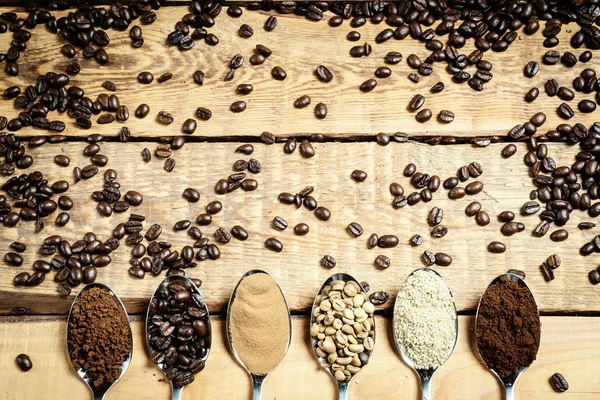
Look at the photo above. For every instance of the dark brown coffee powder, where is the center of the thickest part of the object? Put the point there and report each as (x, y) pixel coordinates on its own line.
(508, 327)
(99, 337)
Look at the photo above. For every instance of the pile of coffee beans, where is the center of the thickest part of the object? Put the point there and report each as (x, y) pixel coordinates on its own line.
(109, 199)
(179, 331)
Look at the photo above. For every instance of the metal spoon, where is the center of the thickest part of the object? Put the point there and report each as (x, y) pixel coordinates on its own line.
(257, 380)
(342, 386)
(507, 381)
(425, 375)
(175, 391)
(100, 392)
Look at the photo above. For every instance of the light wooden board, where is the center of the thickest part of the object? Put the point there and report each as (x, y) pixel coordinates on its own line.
(297, 268)
(299, 46)
(569, 346)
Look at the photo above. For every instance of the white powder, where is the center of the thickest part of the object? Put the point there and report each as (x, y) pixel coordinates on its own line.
(425, 320)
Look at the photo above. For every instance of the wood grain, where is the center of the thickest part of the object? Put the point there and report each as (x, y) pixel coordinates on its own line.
(299, 46)
(297, 269)
(569, 346)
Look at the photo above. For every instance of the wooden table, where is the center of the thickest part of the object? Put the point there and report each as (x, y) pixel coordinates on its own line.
(570, 305)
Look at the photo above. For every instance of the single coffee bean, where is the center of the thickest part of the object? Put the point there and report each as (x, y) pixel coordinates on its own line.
(270, 23)
(416, 102)
(593, 276)
(203, 113)
(443, 259)
(559, 235)
(368, 85)
(423, 115)
(428, 257)
(435, 216)
(496, 247)
(279, 223)
(164, 118)
(382, 262)
(586, 106)
(379, 298)
(301, 229)
(439, 231)
(393, 57)
(474, 188)
(142, 111)
(358, 175)
(189, 126)
(145, 77)
(387, 241)
(551, 86)
(456, 193)
(302, 102)
(274, 245)
(278, 73)
(510, 228)
(355, 229)
(506, 216)
(237, 106)
(551, 57)
(565, 94)
(245, 31)
(13, 259)
(322, 213)
(328, 262)
(482, 218)
(473, 208)
(416, 240)
(531, 69)
(559, 383)
(24, 362)
(214, 207)
(383, 72)
(323, 74)
(445, 116)
(320, 111)
(306, 149)
(532, 94)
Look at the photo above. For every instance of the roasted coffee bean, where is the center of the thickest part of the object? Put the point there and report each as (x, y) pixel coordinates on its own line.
(301, 229)
(274, 245)
(62, 160)
(382, 262)
(214, 207)
(246, 149)
(593, 276)
(372, 241)
(496, 247)
(203, 113)
(279, 223)
(445, 116)
(270, 23)
(559, 383)
(358, 175)
(551, 57)
(435, 216)
(24, 362)
(586, 106)
(532, 94)
(302, 101)
(531, 69)
(142, 111)
(306, 149)
(439, 231)
(414, 77)
(145, 77)
(473, 208)
(383, 72)
(423, 115)
(379, 298)
(547, 272)
(13, 259)
(322, 213)
(482, 218)
(323, 74)
(328, 262)
(416, 102)
(565, 111)
(416, 240)
(506, 216)
(387, 241)
(565, 94)
(245, 31)
(443, 259)
(559, 235)
(393, 57)
(278, 73)
(355, 229)
(368, 85)
(510, 228)
(353, 36)
(450, 183)
(164, 118)
(320, 111)
(237, 106)
(551, 86)
(456, 193)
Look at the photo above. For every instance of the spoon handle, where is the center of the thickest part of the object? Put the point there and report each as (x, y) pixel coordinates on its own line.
(509, 392)
(426, 389)
(99, 396)
(343, 392)
(176, 392)
(257, 383)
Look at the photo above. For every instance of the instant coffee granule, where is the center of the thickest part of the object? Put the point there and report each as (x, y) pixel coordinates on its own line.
(425, 320)
(99, 338)
(259, 323)
(508, 327)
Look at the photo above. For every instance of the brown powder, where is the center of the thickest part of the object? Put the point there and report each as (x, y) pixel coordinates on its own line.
(99, 337)
(508, 327)
(259, 323)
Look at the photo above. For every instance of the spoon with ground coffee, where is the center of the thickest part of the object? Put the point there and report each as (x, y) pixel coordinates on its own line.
(342, 329)
(425, 301)
(94, 311)
(507, 329)
(259, 327)
(178, 331)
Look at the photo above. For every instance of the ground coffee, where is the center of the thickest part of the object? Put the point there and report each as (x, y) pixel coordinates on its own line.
(508, 327)
(99, 338)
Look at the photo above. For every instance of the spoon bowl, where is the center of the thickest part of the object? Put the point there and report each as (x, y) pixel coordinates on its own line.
(99, 392)
(342, 386)
(425, 375)
(508, 382)
(257, 379)
(176, 391)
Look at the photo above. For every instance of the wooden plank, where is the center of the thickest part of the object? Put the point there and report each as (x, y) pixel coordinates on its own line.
(299, 46)
(297, 268)
(568, 346)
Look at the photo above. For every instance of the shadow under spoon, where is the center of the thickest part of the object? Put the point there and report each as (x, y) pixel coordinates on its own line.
(100, 392)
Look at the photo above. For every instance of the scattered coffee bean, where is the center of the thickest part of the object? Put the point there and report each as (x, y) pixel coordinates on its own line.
(24, 362)
(328, 262)
(274, 245)
(496, 247)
